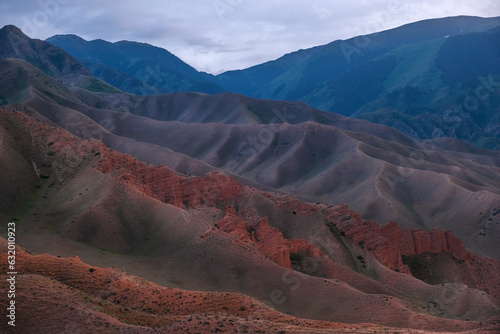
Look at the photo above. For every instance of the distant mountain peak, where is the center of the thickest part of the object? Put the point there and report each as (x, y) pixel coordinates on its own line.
(47, 57)
(12, 29)
(136, 67)
(67, 36)
(11, 37)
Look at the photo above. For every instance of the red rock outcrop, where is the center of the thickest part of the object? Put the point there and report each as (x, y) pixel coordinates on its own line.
(235, 226)
(154, 181)
(272, 243)
(267, 239)
(389, 242)
(166, 186)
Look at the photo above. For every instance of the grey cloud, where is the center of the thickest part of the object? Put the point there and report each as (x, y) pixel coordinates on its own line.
(216, 35)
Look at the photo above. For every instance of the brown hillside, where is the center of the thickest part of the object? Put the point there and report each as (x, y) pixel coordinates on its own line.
(212, 233)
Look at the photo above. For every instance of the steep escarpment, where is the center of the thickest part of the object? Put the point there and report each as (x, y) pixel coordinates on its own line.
(389, 242)
(407, 251)
(166, 186)
(269, 241)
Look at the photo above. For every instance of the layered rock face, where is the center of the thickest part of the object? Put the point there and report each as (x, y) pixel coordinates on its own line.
(161, 183)
(389, 242)
(267, 240)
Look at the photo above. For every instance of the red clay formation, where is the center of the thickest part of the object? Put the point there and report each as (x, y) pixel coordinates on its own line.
(390, 241)
(162, 184)
(267, 239)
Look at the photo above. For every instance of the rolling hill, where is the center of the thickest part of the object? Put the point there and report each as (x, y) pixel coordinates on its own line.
(212, 233)
(229, 213)
(289, 147)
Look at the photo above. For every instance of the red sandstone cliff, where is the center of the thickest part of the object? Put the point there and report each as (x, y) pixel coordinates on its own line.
(166, 186)
(267, 239)
(389, 242)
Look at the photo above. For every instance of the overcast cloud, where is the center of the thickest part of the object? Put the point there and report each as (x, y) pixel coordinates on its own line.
(219, 35)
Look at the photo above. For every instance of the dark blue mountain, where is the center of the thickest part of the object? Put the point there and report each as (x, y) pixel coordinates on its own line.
(47, 57)
(137, 68)
(421, 78)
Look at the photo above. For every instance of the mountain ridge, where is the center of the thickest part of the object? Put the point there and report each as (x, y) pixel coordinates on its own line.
(376, 170)
(401, 77)
(350, 78)
(51, 60)
(156, 69)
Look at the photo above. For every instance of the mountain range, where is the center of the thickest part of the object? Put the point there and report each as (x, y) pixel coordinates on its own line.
(188, 210)
(432, 78)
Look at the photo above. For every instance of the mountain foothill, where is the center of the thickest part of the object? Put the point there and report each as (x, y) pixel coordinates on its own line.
(320, 192)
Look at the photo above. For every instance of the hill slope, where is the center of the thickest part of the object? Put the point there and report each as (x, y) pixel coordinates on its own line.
(214, 213)
(308, 68)
(110, 209)
(376, 170)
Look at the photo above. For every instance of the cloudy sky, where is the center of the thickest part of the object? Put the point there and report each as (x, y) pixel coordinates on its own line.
(219, 35)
